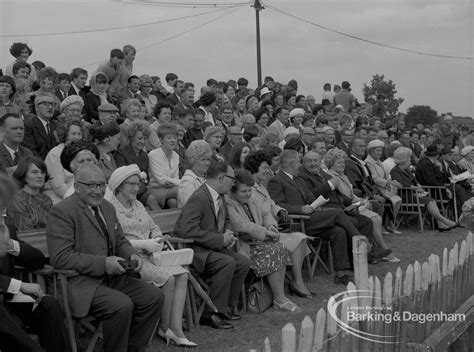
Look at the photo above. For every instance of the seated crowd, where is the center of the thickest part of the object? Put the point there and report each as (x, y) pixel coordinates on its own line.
(88, 164)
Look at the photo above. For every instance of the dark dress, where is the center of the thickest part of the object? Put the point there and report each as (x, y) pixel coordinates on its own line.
(91, 105)
(126, 156)
(406, 178)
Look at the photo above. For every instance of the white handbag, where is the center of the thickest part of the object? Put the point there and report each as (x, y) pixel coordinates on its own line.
(175, 257)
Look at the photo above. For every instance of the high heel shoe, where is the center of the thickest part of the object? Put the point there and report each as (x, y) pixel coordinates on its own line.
(169, 335)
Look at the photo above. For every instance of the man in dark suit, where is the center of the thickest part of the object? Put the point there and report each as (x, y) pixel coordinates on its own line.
(204, 219)
(322, 184)
(291, 192)
(449, 169)
(347, 137)
(78, 84)
(11, 150)
(428, 171)
(84, 234)
(64, 85)
(46, 320)
(175, 98)
(131, 90)
(40, 135)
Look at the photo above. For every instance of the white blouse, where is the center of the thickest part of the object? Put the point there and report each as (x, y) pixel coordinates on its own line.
(161, 169)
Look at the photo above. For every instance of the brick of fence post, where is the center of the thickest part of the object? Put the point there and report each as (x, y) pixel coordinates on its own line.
(306, 335)
(266, 345)
(345, 338)
(288, 338)
(377, 326)
(452, 262)
(361, 268)
(406, 303)
(425, 293)
(388, 327)
(416, 300)
(463, 263)
(332, 331)
(319, 330)
(433, 293)
(439, 291)
(397, 302)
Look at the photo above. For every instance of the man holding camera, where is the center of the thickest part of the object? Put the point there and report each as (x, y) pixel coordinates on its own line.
(204, 219)
(84, 234)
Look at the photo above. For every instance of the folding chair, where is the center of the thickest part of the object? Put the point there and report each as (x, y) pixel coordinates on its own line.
(315, 248)
(410, 206)
(37, 239)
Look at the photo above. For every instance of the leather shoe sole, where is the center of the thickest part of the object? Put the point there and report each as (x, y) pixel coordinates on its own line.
(216, 323)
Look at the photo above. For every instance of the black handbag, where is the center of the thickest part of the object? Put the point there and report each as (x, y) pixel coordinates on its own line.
(260, 297)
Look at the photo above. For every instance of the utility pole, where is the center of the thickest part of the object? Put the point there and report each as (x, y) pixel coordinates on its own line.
(258, 7)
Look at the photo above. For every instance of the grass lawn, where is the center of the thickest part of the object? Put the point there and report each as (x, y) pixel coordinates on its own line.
(252, 329)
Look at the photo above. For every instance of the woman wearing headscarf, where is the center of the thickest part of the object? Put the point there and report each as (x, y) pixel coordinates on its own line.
(107, 139)
(142, 232)
(96, 96)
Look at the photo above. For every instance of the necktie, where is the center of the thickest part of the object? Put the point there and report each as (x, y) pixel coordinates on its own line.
(220, 215)
(103, 227)
(15, 158)
(48, 129)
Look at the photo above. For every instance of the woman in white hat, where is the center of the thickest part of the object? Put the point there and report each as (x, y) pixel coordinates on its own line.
(146, 236)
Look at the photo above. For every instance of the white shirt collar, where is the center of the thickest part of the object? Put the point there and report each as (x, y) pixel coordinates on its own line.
(44, 122)
(215, 197)
(75, 88)
(286, 173)
(11, 151)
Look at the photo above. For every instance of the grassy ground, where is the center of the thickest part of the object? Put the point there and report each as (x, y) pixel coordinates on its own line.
(252, 329)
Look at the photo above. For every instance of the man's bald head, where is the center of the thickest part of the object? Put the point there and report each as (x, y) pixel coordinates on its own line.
(290, 161)
(90, 184)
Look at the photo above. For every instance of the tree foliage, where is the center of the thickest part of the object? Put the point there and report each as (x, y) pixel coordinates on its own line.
(379, 86)
(420, 114)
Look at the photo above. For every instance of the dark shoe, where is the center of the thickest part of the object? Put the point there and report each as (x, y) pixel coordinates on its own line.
(344, 279)
(234, 314)
(215, 322)
(378, 253)
(294, 292)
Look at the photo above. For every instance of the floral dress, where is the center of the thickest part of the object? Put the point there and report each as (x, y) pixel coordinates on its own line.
(137, 224)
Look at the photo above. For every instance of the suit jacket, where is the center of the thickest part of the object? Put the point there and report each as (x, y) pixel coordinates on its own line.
(29, 258)
(198, 222)
(319, 186)
(36, 138)
(60, 95)
(6, 158)
(347, 149)
(75, 241)
(405, 177)
(360, 181)
(428, 174)
(173, 99)
(125, 94)
(289, 194)
(82, 92)
(248, 230)
(277, 128)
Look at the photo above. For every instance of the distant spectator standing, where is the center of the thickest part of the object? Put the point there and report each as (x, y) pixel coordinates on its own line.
(21, 52)
(113, 69)
(345, 97)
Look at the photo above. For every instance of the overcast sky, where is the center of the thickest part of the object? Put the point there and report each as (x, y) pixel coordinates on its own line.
(225, 48)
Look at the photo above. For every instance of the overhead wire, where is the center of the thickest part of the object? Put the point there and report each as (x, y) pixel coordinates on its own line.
(118, 27)
(235, 9)
(368, 40)
(181, 5)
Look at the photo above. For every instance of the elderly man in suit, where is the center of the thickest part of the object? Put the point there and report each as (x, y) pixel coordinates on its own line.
(204, 219)
(40, 135)
(46, 320)
(291, 192)
(84, 234)
(322, 184)
(11, 150)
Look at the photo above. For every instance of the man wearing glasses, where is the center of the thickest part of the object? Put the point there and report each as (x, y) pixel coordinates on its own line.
(204, 220)
(40, 131)
(84, 234)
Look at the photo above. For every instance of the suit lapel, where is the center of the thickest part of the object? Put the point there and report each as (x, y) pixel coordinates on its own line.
(40, 128)
(210, 201)
(6, 155)
(293, 183)
(88, 213)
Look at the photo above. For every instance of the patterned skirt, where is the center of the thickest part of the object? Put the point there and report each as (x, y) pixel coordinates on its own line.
(158, 275)
(268, 257)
